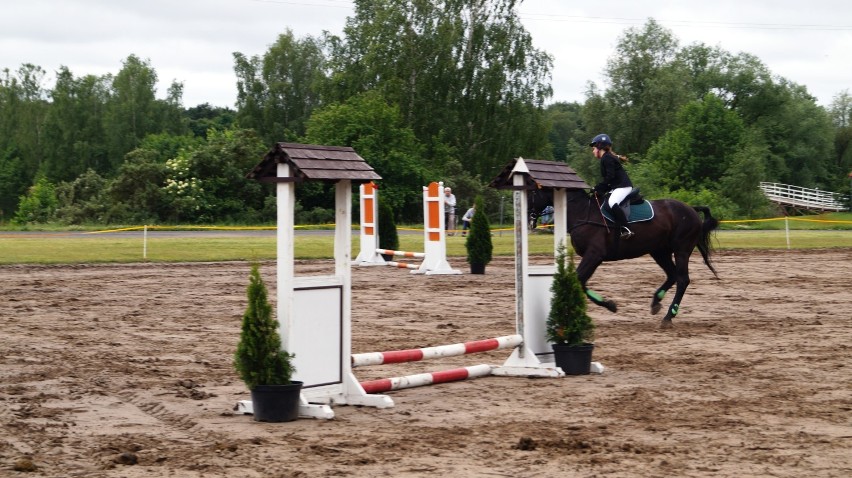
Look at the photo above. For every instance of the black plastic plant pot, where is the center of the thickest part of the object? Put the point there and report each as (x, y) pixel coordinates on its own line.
(574, 359)
(276, 403)
(477, 268)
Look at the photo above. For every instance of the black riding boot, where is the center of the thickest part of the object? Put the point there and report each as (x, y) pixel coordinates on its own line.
(621, 221)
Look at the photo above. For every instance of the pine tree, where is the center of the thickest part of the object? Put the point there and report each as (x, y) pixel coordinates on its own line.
(259, 358)
(388, 236)
(478, 243)
(568, 323)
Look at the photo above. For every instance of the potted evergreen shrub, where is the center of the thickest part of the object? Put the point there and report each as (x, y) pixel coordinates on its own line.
(388, 236)
(478, 242)
(569, 328)
(262, 364)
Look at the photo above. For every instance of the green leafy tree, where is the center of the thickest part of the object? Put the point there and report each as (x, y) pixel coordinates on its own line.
(38, 205)
(205, 117)
(136, 194)
(131, 112)
(76, 121)
(259, 358)
(14, 181)
(568, 322)
(841, 116)
(462, 72)
(277, 93)
(208, 184)
(699, 150)
(741, 181)
(376, 131)
(23, 109)
(566, 127)
(478, 243)
(647, 87)
(82, 200)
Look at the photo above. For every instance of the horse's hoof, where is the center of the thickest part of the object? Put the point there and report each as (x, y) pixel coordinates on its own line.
(666, 324)
(655, 308)
(611, 306)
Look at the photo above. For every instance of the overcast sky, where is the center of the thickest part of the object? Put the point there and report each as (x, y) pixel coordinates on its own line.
(192, 41)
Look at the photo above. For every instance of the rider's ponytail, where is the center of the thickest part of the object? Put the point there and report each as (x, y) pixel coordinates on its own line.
(621, 158)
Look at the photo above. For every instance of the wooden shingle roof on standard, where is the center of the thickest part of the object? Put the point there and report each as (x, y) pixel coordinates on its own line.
(539, 174)
(313, 162)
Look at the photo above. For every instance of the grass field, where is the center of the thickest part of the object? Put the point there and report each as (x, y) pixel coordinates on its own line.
(72, 248)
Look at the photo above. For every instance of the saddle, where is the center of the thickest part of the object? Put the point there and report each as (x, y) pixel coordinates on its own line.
(635, 207)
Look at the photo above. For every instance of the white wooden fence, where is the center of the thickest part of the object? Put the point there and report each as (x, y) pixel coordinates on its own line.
(797, 196)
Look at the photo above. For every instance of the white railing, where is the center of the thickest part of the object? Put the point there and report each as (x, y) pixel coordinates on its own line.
(803, 197)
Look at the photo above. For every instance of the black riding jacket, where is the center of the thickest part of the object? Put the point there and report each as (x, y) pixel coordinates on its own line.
(614, 175)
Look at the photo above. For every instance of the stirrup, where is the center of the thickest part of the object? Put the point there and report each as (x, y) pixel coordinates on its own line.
(626, 233)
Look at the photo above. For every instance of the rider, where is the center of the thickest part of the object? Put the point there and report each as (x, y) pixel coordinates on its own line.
(615, 180)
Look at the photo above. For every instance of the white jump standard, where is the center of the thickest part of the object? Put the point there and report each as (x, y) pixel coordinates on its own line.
(315, 312)
(532, 284)
(434, 236)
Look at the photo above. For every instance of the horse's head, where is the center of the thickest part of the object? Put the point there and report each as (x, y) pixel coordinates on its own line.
(537, 200)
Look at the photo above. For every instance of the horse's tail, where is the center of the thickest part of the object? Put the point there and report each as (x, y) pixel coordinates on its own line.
(705, 246)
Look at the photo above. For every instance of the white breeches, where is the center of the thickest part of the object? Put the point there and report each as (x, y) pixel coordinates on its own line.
(617, 195)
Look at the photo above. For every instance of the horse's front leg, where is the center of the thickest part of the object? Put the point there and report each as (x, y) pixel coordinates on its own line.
(587, 267)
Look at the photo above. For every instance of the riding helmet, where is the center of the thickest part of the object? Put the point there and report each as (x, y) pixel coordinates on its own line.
(601, 140)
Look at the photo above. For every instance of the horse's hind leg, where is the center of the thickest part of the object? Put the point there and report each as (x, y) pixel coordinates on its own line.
(682, 280)
(664, 260)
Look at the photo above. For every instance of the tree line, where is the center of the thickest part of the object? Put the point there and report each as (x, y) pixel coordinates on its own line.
(448, 91)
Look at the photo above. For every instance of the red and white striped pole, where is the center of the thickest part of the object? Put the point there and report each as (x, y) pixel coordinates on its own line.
(414, 355)
(401, 253)
(419, 380)
(402, 265)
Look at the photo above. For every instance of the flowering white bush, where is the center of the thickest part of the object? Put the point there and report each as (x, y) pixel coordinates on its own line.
(185, 191)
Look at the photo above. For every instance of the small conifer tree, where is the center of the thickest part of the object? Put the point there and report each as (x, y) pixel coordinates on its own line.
(568, 323)
(259, 358)
(478, 243)
(388, 237)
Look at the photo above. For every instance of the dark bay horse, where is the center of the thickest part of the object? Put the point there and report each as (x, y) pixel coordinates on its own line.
(670, 237)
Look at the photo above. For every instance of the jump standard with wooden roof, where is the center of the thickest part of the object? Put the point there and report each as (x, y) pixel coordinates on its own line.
(314, 312)
(532, 283)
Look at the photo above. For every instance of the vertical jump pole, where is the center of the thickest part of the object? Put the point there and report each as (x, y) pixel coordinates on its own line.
(284, 251)
(524, 362)
(434, 233)
(560, 219)
(521, 258)
(369, 233)
(351, 393)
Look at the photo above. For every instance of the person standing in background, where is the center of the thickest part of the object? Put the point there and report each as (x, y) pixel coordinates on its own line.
(449, 210)
(468, 216)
